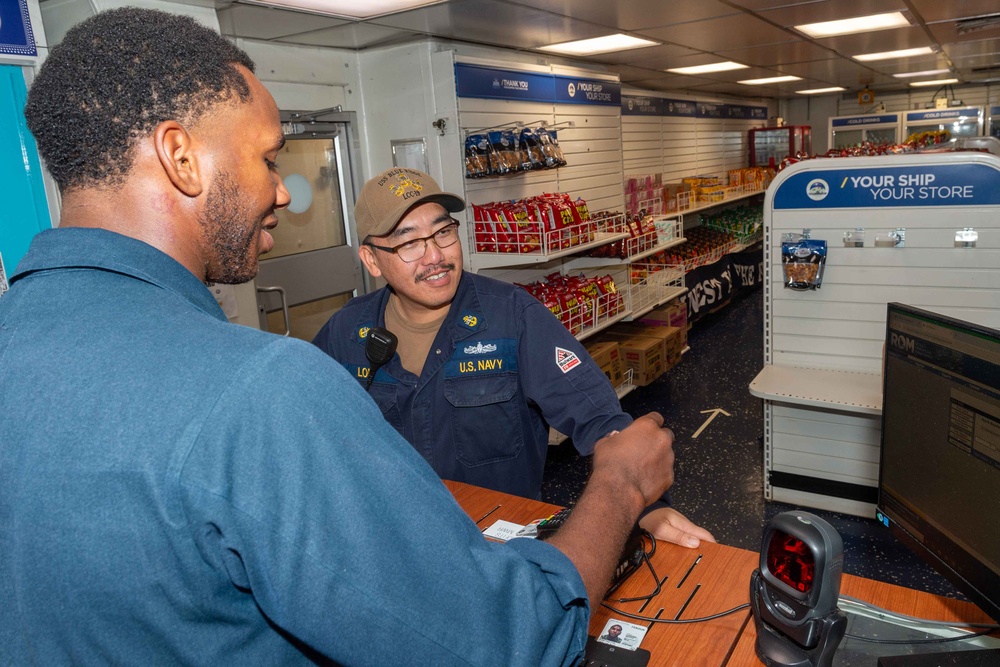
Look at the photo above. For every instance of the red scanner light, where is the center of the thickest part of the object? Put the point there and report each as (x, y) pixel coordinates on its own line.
(790, 561)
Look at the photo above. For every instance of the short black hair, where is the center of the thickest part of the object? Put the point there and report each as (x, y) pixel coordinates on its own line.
(114, 78)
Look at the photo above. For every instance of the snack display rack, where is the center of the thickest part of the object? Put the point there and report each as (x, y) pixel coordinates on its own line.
(666, 233)
(652, 206)
(710, 256)
(599, 313)
(525, 243)
(687, 202)
(651, 285)
(745, 223)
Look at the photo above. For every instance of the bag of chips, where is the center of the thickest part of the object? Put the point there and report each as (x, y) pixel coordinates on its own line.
(530, 144)
(550, 148)
(477, 161)
(803, 261)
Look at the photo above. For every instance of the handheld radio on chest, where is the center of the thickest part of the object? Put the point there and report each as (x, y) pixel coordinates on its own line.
(794, 592)
(380, 345)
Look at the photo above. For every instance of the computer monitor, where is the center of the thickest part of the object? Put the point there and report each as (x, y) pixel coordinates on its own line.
(939, 478)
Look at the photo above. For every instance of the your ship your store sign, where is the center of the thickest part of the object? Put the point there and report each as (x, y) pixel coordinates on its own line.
(930, 185)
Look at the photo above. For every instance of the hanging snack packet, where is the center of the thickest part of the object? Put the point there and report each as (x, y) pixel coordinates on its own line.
(529, 140)
(499, 157)
(803, 261)
(509, 153)
(550, 148)
(477, 163)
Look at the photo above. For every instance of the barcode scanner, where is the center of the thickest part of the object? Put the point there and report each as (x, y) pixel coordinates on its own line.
(379, 348)
(794, 592)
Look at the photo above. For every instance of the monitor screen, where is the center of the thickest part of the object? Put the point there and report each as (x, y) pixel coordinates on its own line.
(939, 478)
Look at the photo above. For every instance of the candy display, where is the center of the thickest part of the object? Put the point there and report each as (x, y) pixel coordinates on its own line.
(703, 245)
(643, 192)
(642, 231)
(745, 223)
(578, 301)
(543, 224)
(692, 191)
(915, 143)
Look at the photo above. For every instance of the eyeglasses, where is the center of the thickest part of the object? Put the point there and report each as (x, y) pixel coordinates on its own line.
(414, 249)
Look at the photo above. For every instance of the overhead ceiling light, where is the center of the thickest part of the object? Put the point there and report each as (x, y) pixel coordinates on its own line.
(606, 44)
(858, 24)
(705, 69)
(886, 55)
(927, 72)
(817, 91)
(939, 82)
(770, 79)
(351, 9)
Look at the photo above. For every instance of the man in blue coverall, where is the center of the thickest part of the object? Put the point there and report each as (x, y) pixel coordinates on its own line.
(179, 490)
(482, 367)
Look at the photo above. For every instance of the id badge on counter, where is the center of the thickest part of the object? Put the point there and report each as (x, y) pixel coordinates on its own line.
(622, 634)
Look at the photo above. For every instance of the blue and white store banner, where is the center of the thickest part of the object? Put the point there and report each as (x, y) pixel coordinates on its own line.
(636, 105)
(500, 84)
(884, 187)
(942, 115)
(864, 121)
(16, 38)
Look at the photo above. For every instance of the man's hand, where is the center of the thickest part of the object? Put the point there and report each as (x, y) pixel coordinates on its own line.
(632, 469)
(642, 455)
(669, 525)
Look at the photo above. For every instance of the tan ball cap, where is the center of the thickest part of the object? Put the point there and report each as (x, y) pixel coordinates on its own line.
(386, 198)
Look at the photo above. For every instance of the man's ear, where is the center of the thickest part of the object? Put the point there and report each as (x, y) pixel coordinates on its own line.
(367, 256)
(175, 150)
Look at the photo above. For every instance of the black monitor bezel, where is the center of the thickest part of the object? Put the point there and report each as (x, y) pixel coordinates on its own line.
(968, 574)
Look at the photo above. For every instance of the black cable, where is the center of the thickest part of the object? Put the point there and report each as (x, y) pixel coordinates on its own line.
(646, 598)
(652, 571)
(670, 620)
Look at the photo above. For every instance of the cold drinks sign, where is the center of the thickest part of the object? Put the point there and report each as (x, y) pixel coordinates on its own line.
(960, 184)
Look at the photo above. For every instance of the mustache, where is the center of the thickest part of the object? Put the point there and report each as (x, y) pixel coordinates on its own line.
(434, 269)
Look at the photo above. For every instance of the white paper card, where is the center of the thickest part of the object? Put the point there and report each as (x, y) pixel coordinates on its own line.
(503, 530)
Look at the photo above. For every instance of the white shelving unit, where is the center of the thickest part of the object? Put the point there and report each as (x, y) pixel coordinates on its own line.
(489, 260)
(821, 382)
(831, 389)
(734, 194)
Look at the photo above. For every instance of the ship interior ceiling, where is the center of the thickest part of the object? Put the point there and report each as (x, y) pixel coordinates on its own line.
(964, 37)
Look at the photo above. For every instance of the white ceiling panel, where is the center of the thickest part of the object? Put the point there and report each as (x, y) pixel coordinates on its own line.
(830, 10)
(353, 36)
(728, 32)
(774, 55)
(491, 22)
(254, 22)
(635, 15)
(693, 32)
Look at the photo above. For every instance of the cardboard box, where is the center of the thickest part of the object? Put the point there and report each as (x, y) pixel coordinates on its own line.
(642, 354)
(672, 314)
(671, 338)
(607, 355)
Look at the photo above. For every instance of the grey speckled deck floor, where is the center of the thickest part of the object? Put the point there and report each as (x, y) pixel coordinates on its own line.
(718, 476)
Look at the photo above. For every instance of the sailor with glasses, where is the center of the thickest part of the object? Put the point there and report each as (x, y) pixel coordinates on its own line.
(482, 368)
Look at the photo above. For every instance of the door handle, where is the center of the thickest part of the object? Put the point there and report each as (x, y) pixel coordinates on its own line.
(284, 306)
